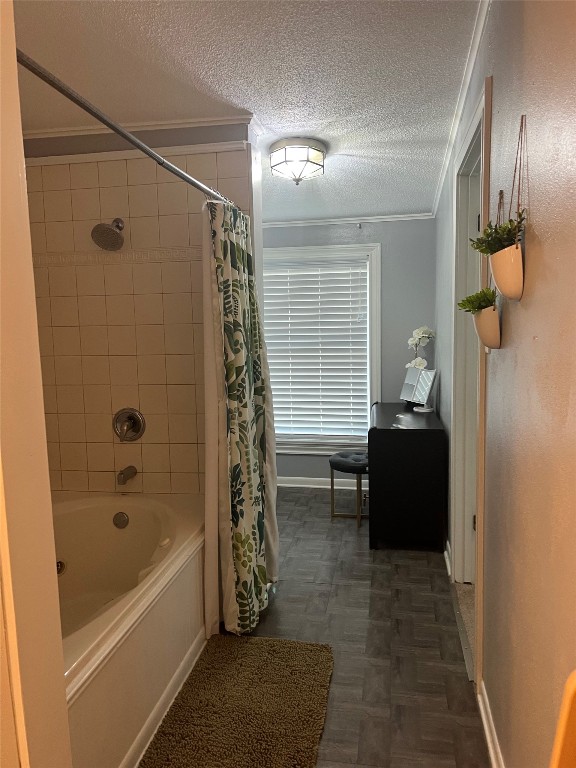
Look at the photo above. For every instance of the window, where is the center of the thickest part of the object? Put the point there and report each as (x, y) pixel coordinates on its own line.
(322, 328)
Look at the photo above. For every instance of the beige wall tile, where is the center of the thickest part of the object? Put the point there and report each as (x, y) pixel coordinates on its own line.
(183, 457)
(153, 398)
(90, 280)
(174, 231)
(97, 398)
(52, 434)
(71, 429)
(55, 480)
(85, 204)
(181, 398)
(197, 308)
(66, 340)
(156, 482)
(149, 309)
(34, 178)
(237, 190)
(172, 199)
(125, 396)
(127, 454)
(156, 429)
(38, 237)
(92, 310)
(54, 455)
(145, 231)
(83, 235)
(196, 228)
(120, 309)
(36, 206)
(112, 173)
(68, 369)
(75, 481)
(152, 369)
(101, 481)
(58, 205)
(43, 311)
(232, 164)
(70, 399)
(166, 177)
(56, 176)
(114, 203)
(46, 340)
(96, 369)
(59, 236)
(196, 277)
(83, 175)
(124, 370)
(155, 458)
(147, 278)
(64, 310)
(180, 369)
(142, 171)
(118, 279)
(178, 308)
(196, 199)
(50, 400)
(182, 428)
(179, 339)
(98, 428)
(175, 276)
(143, 200)
(48, 370)
(202, 166)
(100, 457)
(150, 339)
(41, 284)
(184, 482)
(94, 339)
(122, 340)
(62, 281)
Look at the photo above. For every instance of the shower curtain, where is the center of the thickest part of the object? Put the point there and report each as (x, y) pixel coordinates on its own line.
(241, 532)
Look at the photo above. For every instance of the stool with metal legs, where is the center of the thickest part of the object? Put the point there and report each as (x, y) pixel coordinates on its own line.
(352, 462)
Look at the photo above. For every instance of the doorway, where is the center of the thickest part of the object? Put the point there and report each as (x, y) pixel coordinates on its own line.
(464, 451)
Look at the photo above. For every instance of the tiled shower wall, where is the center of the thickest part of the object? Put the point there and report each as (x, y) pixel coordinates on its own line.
(124, 329)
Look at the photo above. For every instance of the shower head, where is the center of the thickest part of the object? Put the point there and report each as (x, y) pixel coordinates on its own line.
(109, 236)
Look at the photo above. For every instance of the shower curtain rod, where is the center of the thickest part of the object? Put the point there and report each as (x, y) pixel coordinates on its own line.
(80, 101)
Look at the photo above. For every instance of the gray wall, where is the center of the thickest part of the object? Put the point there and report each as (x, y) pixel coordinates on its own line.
(408, 297)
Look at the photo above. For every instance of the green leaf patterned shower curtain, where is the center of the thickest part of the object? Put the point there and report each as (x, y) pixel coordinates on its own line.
(240, 444)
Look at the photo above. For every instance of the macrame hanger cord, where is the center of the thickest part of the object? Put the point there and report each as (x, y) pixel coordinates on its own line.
(520, 170)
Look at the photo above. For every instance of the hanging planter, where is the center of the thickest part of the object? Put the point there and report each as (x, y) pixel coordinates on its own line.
(482, 306)
(508, 271)
(502, 242)
(487, 324)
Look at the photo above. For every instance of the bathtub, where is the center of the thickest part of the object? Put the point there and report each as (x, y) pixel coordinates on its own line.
(131, 603)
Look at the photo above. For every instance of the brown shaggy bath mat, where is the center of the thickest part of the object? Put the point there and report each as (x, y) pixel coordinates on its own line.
(250, 702)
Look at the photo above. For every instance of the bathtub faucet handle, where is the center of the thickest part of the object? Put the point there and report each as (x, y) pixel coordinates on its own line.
(126, 474)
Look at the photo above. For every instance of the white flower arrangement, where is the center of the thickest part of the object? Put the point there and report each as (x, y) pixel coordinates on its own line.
(420, 338)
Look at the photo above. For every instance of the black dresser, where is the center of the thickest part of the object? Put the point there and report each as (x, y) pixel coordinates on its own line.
(408, 473)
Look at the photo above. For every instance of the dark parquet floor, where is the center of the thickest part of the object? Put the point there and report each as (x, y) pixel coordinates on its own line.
(400, 696)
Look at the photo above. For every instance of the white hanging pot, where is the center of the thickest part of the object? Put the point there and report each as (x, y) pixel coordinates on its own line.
(487, 324)
(508, 271)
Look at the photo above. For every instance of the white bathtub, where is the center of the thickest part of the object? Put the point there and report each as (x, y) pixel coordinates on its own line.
(132, 617)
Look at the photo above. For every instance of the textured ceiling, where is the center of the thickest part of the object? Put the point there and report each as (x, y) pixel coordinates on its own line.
(378, 82)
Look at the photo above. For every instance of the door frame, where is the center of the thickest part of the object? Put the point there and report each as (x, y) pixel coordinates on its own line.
(480, 120)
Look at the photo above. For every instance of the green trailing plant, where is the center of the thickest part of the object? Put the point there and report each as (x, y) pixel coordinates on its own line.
(496, 237)
(478, 301)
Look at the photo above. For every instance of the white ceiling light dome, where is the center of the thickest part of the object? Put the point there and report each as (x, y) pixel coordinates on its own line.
(297, 158)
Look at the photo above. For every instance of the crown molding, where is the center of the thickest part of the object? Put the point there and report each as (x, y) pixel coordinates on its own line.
(130, 154)
(87, 130)
(357, 220)
(477, 34)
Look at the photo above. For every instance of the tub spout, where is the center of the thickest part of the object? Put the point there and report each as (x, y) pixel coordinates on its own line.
(126, 474)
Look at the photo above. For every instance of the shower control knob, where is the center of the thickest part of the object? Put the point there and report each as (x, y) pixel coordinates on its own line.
(128, 424)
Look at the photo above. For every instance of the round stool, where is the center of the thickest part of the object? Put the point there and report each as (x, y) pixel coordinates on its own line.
(351, 462)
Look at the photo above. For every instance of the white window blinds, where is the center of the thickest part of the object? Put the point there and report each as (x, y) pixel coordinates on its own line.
(316, 328)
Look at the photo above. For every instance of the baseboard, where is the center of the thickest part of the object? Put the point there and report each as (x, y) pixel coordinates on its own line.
(140, 744)
(496, 759)
(318, 482)
(448, 558)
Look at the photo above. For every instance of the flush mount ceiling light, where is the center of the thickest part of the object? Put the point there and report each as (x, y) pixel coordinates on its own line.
(297, 159)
